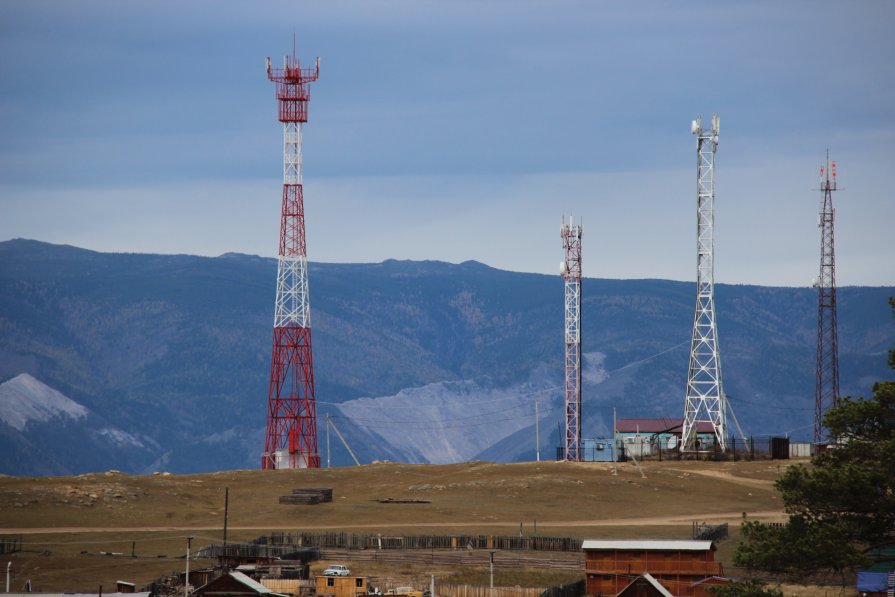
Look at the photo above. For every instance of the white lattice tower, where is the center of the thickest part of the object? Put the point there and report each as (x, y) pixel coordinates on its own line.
(705, 401)
(571, 273)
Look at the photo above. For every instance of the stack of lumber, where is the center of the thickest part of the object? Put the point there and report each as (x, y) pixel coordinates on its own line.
(309, 495)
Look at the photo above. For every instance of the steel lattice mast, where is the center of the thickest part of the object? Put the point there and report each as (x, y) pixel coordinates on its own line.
(705, 400)
(827, 384)
(291, 440)
(571, 273)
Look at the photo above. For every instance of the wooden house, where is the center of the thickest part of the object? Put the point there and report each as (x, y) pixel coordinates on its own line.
(234, 584)
(342, 586)
(610, 566)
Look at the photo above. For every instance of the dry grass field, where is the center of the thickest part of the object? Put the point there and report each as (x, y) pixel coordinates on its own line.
(67, 521)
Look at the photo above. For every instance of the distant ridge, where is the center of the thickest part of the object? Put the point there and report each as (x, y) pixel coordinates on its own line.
(170, 355)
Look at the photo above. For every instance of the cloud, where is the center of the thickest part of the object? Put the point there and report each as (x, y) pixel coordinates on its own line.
(453, 130)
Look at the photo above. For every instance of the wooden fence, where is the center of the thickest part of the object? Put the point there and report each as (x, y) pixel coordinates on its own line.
(289, 586)
(454, 558)
(342, 540)
(445, 590)
(10, 544)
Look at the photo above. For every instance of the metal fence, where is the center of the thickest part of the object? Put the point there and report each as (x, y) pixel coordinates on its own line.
(650, 447)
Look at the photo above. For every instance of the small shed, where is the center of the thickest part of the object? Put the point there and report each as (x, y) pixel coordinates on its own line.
(643, 437)
(342, 586)
(598, 449)
(702, 588)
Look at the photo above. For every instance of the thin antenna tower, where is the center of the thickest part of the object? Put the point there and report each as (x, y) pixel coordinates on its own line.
(571, 273)
(291, 440)
(827, 380)
(705, 400)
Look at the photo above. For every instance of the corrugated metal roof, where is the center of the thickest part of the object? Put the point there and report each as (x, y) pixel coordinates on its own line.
(710, 580)
(649, 544)
(658, 425)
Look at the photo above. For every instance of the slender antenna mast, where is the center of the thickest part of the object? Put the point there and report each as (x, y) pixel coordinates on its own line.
(571, 273)
(291, 440)
(705, 401)
(827, 379)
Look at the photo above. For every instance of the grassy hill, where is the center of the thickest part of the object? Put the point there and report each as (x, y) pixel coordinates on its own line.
(75, 518)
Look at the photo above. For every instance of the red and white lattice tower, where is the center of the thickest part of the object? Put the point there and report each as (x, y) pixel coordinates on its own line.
(571, 273)
(827, 384)
(291, 440)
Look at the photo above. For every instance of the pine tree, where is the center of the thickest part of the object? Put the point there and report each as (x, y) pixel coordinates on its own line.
(841, 504)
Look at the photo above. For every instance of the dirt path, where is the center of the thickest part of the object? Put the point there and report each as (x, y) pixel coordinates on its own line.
(759, 483)
(729, 517)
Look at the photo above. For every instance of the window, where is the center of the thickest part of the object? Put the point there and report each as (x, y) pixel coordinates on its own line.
(358, 582)
(330, 582)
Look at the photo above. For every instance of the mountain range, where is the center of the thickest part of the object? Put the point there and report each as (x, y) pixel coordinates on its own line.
(160, 362)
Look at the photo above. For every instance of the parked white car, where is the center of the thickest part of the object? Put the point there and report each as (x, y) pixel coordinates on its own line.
(337, 570)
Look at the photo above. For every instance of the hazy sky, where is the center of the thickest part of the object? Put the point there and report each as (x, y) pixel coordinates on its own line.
(456, 130)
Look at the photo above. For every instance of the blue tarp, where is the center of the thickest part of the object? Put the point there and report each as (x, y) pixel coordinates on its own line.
(872, 581)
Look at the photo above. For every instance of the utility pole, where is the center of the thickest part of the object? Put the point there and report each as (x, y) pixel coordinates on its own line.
(186, 582)
(614, 439)
(226, 514)
(492, 573)
(537, 433)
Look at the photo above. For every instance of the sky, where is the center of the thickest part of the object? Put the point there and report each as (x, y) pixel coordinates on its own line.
(456, 130)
